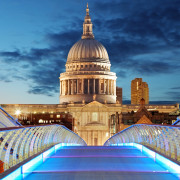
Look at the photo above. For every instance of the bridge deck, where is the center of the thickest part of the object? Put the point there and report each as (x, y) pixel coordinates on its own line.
(101, 163)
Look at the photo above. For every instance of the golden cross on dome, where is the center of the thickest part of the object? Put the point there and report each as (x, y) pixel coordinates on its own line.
(87, 10)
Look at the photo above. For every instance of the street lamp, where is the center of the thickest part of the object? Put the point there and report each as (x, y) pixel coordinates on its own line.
(18, 112)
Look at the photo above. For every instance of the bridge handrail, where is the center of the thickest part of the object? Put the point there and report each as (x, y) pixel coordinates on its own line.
(162, 138)
(9, 117)
(20, 143)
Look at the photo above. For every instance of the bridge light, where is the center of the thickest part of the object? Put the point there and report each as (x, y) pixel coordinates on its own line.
(18, 112)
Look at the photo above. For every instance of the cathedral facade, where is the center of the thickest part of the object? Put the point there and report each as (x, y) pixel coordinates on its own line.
(88, 80)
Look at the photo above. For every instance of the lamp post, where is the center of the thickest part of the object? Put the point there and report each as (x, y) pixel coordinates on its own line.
(17, 113)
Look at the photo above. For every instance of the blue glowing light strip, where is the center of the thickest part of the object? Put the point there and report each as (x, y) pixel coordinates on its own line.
(171, 166)
(27, 168)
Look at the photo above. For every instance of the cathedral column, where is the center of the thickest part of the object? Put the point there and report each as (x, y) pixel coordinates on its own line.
(62, 92)
(68, 88)
(114, 87)
(65, 87)
(107, 86)
(64, 83)
(104, 86)
(94, 85)
(82, 86)
(99, 86)
(112, 91)
(77, 86)
(60, 87)
(72, 90)
(88, 86)
(111, 87)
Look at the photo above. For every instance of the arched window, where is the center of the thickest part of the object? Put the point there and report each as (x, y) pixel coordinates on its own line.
(41, 121)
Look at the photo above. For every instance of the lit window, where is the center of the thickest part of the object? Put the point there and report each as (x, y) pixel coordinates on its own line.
(41, 121)
(107, 134)
(58, 116)
(51, 115)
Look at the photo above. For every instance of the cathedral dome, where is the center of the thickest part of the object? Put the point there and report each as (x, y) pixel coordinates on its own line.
(88, 50)
(88, 77)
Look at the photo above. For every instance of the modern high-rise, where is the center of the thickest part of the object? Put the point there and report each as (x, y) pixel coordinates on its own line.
(139, 90)
(119, 94)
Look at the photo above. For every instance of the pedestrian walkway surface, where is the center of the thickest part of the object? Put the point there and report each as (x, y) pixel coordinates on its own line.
(101, 163)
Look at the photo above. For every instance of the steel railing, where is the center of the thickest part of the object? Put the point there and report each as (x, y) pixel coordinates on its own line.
(7, 120)
(19, 143)
(164, 139)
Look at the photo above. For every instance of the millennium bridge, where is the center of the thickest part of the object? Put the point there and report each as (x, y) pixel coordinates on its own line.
(54, 152)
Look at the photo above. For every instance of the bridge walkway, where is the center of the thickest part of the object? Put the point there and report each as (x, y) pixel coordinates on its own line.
(101, 163)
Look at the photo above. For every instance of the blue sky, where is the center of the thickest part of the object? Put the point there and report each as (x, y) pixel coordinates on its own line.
(142, 39)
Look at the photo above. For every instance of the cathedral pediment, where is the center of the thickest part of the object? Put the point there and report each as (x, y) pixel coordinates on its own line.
(94, 106)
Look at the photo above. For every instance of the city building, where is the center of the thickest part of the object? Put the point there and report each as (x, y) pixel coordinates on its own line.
(147, 116)
(119, 94)
(139, 90)
(90, 103)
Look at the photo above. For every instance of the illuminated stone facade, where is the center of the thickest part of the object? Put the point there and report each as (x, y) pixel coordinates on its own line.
(139, 90)
(95, 122)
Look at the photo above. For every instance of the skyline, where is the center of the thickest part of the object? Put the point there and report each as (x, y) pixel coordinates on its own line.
(142, 40)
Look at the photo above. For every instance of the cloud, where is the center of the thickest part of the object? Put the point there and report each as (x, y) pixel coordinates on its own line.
(138, 27)
(44, 90)
(5, 79)
(174, 95)
(41, 66)
(12, 54)
(176, 88)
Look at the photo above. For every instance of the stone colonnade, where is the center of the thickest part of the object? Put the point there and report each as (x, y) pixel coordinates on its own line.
(88, 86)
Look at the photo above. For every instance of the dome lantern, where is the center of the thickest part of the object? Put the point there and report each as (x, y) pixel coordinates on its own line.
(87, 26)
